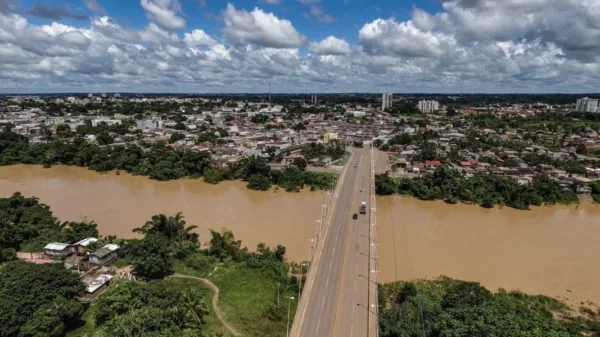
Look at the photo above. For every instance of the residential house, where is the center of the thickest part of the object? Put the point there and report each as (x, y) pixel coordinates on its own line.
(104, 255)
(58, 249)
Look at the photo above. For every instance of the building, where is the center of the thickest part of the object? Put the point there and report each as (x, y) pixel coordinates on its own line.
(58, 249)
(386, 101)
(104, 254)
(586, 104)
(429, 106)
(329, 136)
(314, 100)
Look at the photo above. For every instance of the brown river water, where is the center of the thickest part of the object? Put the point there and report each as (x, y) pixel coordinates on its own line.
(120, 203)
(548, 250)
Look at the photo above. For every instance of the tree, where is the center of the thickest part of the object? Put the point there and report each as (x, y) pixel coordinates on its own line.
(582, 149)
(299, 127)
(223, 245)
(104, 138)
(64, 131)
(259, 182)
(179, 126)
(177, 136)
(300, 163)
(37, 299)
(151, 256)
(195, 308)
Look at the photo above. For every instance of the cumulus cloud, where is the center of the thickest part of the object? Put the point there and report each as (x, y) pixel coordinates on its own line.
(164, 13)
(260, 28)
(330, 46)
(198, 37)
(469, 45)
(272, 2)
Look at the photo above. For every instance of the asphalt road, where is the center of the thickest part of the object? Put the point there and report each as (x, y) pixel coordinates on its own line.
(334, 302)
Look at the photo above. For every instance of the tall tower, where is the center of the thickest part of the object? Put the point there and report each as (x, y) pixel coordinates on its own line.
(386, 101)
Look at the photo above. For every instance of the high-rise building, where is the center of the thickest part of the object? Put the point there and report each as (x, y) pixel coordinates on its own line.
(587, 104)
(314, 100)
(386, 101)
(428, 106)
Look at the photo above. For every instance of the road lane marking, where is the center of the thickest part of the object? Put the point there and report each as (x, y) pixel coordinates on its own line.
(333, 251)
(327, 283)
(335, 196)
(318, 324)
(323, 301)
(351, 329)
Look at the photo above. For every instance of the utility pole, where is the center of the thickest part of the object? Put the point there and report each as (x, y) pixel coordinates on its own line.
(301, 275)
(288, 321)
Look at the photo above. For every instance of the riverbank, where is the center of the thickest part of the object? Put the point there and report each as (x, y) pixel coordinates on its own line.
(447, 307)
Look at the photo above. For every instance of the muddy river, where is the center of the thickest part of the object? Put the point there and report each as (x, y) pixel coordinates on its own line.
(119, 203)
(549, 250)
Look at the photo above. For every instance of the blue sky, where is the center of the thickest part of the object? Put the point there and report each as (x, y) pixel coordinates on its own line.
(349, 15)
(300, 45)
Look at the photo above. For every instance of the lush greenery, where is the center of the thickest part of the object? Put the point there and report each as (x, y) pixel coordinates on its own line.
(487, 190)
(38, 300)
(259, 176)
(149, 309)
(452, 308)
(335, 151)
(161, 162)
(596, 191)
(249, 282)
(26, 224)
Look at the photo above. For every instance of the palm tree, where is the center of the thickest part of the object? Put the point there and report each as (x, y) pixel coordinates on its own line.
(159, 225)
(195, 308)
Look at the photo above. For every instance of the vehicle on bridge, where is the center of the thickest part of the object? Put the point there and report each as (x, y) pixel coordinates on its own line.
(363, 207)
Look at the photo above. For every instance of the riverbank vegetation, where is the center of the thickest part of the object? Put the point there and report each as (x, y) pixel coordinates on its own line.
(40, 300)
(160, 162)
(453, 308)
(28, 225)
(486, 190)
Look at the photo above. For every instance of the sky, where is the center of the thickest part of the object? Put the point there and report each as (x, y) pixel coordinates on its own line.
(300, 46)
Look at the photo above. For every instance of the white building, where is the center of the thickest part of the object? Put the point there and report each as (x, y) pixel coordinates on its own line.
(386, 101)
(586, 105)
(429, 106)
(314, 100)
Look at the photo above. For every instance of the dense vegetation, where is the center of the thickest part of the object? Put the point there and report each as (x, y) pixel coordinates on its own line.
(320, 151)
(487, 190)
(38, 300)
(156, 161)
(27, 225)
(149, 309)
(259, 176)
(452, 308)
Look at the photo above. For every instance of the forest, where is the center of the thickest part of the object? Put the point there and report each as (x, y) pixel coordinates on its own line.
(449, 185)
(446, 307)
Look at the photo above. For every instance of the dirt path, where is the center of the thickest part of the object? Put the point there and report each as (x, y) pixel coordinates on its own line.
(215, 301)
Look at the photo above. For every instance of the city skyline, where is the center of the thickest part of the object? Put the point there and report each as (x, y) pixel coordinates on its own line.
(300, 46)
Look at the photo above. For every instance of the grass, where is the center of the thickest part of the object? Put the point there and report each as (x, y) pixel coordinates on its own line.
(596, 198)
(248, 298)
